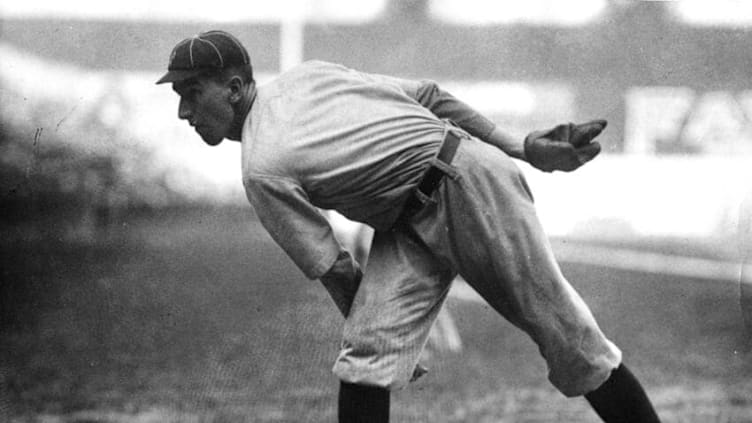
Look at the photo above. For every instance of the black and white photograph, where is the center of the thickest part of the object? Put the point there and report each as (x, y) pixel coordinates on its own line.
(442, 211)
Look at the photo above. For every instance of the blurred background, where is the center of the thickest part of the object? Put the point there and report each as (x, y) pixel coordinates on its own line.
(137, 284)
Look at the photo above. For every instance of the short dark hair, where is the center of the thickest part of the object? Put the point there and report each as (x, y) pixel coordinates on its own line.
(245, 72)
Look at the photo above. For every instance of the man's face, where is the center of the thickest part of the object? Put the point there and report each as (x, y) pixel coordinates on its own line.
(205, 104)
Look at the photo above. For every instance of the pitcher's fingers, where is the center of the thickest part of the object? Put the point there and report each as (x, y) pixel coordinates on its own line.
(583, 133)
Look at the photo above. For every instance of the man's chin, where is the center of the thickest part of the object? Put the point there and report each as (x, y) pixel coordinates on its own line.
(213, 141)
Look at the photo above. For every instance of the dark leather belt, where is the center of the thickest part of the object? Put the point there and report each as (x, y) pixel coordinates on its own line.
(432, 178)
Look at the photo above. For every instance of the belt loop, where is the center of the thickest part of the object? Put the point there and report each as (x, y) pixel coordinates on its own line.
(448, 147)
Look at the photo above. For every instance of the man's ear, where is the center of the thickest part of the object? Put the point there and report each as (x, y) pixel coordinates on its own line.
(235, 84)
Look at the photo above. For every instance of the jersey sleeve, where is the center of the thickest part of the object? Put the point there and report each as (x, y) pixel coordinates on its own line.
(445, 106)
(294, 223)
(442, 104)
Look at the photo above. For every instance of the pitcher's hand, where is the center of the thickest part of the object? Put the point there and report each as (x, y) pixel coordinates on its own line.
(566, 147)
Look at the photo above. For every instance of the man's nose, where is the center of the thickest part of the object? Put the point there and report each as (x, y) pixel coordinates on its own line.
(184, 112)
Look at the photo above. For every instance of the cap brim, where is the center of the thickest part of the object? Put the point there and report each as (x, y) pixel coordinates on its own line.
(180, 75)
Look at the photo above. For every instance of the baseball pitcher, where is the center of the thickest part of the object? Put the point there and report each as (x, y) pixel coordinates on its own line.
(436, 181)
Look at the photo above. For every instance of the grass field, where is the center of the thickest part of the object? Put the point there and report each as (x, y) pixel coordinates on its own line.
(199, 317)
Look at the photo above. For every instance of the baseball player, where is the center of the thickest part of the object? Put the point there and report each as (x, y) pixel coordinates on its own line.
(436, 181)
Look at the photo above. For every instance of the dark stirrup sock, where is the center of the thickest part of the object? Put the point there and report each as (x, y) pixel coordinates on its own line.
(621, 399)
(363, 404)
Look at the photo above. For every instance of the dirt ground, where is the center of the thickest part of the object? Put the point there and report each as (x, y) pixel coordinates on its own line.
(198, 317)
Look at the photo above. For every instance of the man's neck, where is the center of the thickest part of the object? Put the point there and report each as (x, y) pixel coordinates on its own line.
(241, 111)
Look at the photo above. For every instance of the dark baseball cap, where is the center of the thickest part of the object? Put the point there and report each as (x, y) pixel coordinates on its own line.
(207, 51)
